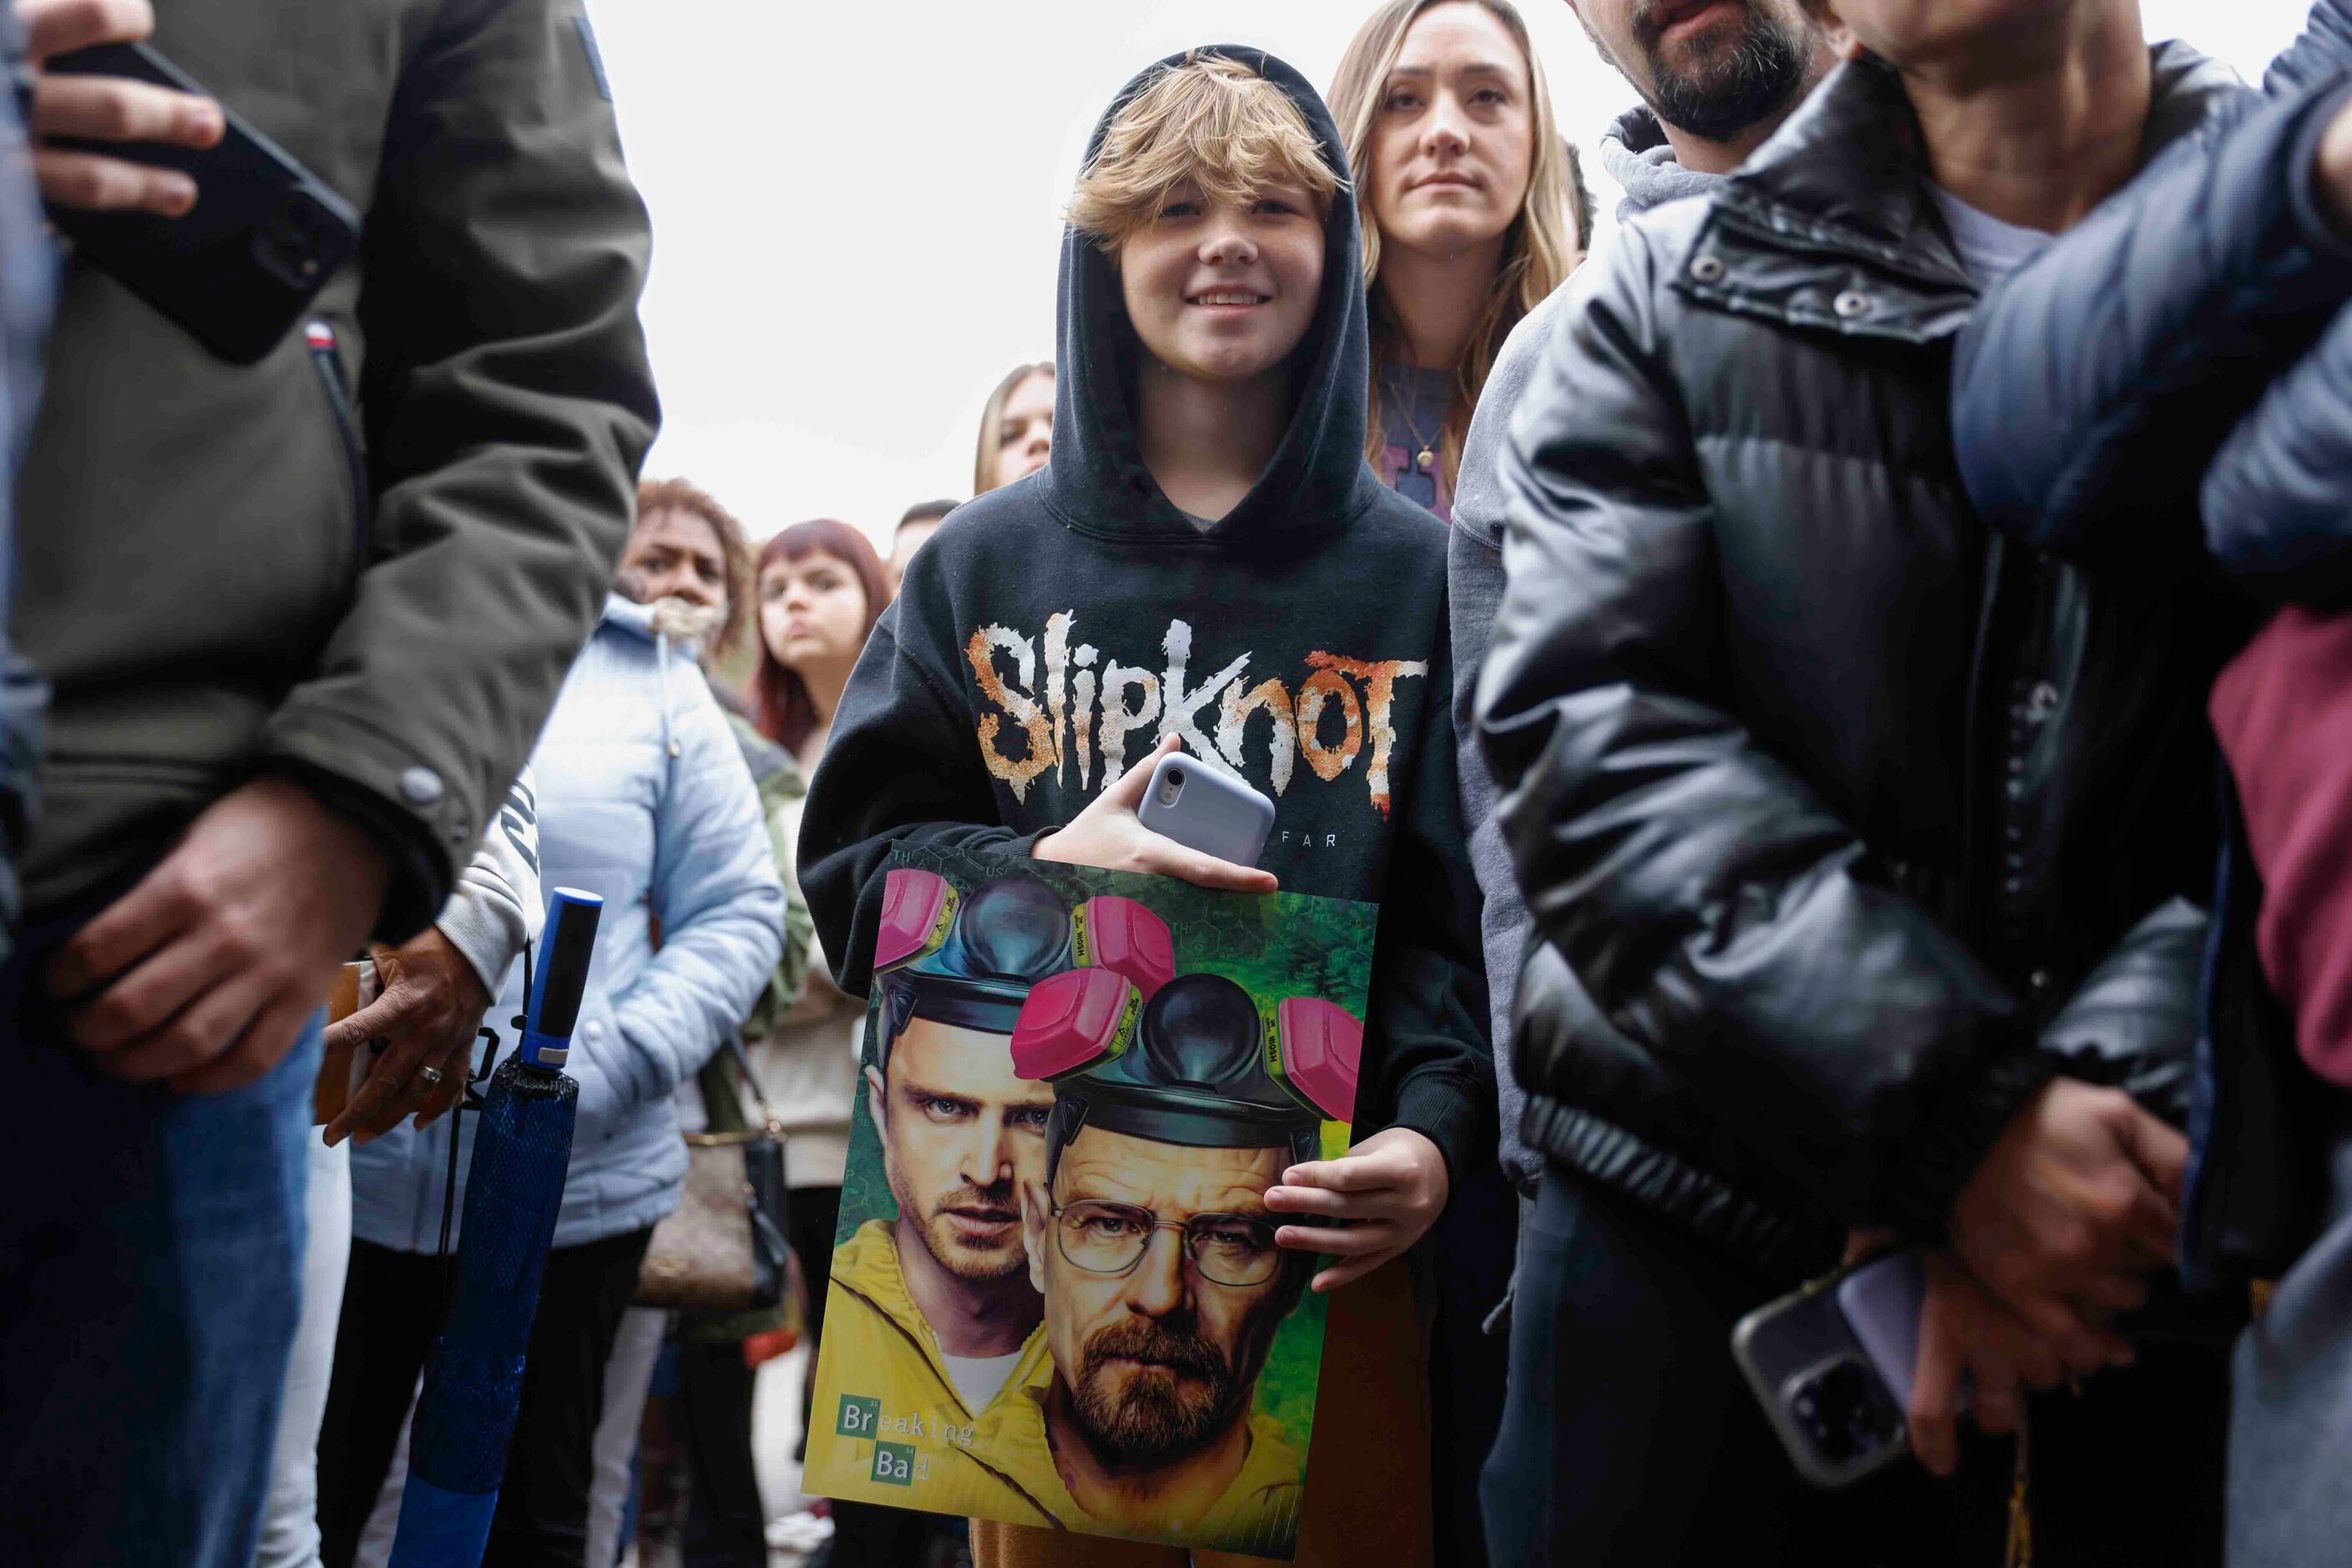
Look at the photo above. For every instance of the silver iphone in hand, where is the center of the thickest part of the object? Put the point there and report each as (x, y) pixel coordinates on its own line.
(1206, 808)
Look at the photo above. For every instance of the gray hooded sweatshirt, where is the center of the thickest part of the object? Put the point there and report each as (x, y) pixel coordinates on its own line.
(1637, 156)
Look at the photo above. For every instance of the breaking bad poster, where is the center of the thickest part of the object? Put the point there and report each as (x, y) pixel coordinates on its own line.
(1055, 1295)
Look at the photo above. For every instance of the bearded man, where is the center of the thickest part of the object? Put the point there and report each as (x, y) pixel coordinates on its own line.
(1151, 1243)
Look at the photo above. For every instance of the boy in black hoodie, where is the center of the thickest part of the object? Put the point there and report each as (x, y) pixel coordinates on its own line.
(1207, 562)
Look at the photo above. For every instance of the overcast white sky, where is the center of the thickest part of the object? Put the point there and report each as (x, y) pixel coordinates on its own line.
(856, 206)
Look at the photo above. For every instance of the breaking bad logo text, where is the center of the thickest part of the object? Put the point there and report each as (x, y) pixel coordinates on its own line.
(1089, 706)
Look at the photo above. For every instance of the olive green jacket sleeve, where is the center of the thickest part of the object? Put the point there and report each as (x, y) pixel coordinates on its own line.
(781, 789)
(507, 403)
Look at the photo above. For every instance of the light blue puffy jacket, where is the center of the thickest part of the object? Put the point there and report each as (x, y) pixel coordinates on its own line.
(644, 798)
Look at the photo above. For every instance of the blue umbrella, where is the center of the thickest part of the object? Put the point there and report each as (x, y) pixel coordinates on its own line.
(473, 1379)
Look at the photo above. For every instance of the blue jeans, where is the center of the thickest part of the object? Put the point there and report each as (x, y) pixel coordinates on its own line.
(150, 1260)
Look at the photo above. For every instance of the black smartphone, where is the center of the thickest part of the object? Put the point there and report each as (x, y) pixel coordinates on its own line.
(242, 266)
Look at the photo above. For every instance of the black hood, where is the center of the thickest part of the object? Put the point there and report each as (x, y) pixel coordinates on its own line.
(1095, 481)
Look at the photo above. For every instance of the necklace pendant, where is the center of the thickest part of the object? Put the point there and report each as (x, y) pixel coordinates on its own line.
(1425, 459)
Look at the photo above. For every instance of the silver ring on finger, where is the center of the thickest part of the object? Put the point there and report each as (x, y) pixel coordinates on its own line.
(430, 1074)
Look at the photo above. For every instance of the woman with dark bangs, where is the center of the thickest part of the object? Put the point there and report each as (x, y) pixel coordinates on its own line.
(819, 588)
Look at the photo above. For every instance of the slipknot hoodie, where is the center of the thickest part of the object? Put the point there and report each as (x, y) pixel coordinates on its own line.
(1053, 631)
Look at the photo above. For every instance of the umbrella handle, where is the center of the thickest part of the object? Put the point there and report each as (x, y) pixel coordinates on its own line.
(560, 978)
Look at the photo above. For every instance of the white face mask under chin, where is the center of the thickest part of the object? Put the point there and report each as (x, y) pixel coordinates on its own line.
(683, 621)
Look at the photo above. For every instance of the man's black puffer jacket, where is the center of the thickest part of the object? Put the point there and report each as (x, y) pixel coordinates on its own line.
(1856, 825)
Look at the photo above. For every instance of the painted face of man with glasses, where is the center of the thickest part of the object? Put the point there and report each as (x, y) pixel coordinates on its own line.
(1163, 1290)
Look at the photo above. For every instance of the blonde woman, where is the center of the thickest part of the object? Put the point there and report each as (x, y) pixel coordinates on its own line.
(1472, 210)
(1016, 428)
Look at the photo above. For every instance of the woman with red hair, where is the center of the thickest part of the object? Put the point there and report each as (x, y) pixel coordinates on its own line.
(821, 588)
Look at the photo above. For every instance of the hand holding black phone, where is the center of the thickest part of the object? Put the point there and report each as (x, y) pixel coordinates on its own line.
(240, 268)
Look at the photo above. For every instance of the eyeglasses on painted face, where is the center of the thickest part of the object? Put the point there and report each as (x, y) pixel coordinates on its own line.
(1102, 1238)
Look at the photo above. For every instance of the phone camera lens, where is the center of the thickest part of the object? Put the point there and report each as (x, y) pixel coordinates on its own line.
(1176, 777)
(1845, 1410)
(291, 244)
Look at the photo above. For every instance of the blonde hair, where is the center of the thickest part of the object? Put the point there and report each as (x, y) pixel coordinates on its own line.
(1540, 248)
(992, 423)
(1211, 121)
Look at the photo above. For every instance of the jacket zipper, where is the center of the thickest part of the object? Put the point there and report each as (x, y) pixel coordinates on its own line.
(330, 366)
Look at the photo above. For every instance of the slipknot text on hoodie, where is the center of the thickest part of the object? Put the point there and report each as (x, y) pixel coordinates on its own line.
(1060, 703)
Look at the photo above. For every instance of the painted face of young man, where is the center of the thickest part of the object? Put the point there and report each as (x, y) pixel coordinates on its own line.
(961, 1138)
(812, 610)
(1711, 68)
(1219, 291)
(1024, 435)
(1159, 1360)
(674, 554)
(1454, 138)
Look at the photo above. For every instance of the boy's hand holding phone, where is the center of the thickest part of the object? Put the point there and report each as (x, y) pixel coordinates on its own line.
(1382, 1196)
(1108, 835)
(107, 109)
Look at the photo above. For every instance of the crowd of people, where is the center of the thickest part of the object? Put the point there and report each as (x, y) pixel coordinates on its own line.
(1839, 694)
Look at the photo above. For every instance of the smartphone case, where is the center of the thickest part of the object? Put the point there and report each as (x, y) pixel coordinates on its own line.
(1214, 812)
(1882, 1302)
(1819, 1390)
(239, 269)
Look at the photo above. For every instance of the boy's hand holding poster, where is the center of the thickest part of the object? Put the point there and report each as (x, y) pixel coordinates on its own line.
(1056, 1298)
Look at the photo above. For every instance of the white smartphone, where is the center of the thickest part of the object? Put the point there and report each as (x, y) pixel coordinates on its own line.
(1206, 808)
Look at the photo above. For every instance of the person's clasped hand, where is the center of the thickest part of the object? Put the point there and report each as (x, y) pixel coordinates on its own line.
(2075, 1204)
(1381, 1197)
(1108, 835)
(203, 974)
(426, 1014)
(1965, 1333)
(107, 109)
